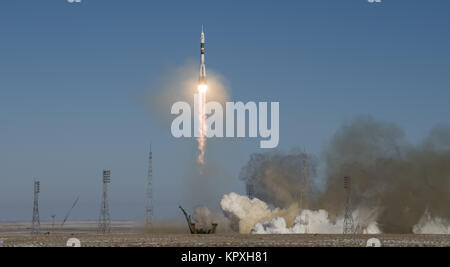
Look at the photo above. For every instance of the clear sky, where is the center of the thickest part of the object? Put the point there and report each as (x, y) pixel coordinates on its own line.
(69, 74)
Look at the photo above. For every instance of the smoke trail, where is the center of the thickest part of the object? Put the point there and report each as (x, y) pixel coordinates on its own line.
(179, 83)
(202, 124)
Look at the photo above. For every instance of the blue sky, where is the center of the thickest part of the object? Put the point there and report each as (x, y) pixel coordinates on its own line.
(70, 74)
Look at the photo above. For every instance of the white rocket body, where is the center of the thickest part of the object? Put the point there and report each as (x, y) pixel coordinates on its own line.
(202, 76)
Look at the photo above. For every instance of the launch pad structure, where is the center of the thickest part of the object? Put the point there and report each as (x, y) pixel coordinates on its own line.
(194, 229)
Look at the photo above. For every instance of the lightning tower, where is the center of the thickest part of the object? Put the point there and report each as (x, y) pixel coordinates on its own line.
(104, 222)
(349, 227)
(36, 224)
(149, 208)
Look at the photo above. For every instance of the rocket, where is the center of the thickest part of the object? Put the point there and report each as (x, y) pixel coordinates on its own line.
(202, 76)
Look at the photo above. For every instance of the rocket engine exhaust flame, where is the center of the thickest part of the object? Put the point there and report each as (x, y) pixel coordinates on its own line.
(202, 125)
(202, 88)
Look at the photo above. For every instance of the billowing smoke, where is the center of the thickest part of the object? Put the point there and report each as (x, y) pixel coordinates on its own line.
(204, 218)
(396, 186)
(402, 180)
(278, 178)
(311, 222)
(254, 215)
(430, 225)
(244, 213)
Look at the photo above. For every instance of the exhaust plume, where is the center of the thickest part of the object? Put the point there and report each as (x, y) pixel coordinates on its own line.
(403, 180)
(244, 213)
(203, 219)
(278, 178)
(401, 187)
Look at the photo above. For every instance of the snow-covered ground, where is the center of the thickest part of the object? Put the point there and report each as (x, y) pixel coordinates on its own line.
(128, 233)
(219, 240)
(70, 227)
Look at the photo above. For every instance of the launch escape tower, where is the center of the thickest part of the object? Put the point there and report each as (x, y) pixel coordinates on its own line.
(36, 224)
(349, 227)
(104, 222)
(149, 208)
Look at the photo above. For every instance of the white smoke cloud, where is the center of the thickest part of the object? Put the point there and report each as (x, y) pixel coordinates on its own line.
(204, 218)
(255, 216)
(429, 225)
(244, 213)
(311, 222)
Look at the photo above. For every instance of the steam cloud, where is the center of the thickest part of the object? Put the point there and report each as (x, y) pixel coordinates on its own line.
(312, 222)
(404, 181)
(254, 215)
(244, 213)
(279, 178)
(203, 218)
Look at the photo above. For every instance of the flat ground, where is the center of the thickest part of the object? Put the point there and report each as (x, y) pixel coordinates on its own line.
(129, 234)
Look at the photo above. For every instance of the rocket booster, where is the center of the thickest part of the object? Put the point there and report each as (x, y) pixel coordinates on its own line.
(202, 76)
